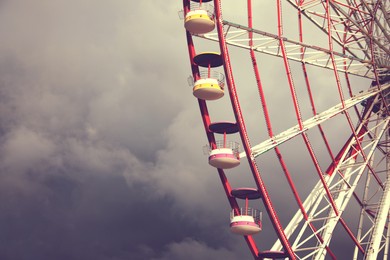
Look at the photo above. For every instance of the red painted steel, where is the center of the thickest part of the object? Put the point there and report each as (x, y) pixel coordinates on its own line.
(210, 135)
(267, 117)
(205, 114)
(300, 25)
(351, 235)
(300, 124)
(358, 132)
(244, 138)
(308, 86)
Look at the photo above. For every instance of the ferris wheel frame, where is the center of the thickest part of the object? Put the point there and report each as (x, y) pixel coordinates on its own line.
(365, 53)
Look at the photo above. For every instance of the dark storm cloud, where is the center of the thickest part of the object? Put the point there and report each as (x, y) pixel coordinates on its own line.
(193, 250)
(91, 64)
(101, 140)
(96, 218)
(100, 152)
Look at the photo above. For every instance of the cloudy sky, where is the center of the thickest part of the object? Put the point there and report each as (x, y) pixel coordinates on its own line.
(101, 139)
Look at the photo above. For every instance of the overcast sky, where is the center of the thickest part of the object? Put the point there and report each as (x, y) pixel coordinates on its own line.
(101, 153)
(101, 140)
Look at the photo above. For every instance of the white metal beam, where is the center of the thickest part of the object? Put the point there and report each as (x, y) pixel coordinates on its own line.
(381, 219)
(312, 122)
(342, 189)
(238, 35)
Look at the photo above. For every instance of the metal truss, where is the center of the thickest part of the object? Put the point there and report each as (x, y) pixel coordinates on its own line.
(342, 180)
(312, 122)
(356, 39)
(267, 43)
(355, 26)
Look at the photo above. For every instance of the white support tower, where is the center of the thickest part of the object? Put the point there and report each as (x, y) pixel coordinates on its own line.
(342, 183)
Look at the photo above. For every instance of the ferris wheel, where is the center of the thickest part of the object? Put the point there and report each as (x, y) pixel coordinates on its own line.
(324, 130)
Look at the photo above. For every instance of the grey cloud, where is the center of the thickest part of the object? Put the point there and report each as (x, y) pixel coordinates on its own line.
(99, 133)
(101, 139)
(192, 250)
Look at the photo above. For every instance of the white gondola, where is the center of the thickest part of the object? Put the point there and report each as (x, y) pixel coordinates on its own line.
(245, 221)
(225, 155)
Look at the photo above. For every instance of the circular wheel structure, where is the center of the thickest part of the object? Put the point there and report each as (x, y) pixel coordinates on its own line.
(307, 101)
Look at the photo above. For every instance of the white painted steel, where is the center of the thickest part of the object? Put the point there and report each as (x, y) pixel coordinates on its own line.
(312, 122)
(380, 221)
(342, 189)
